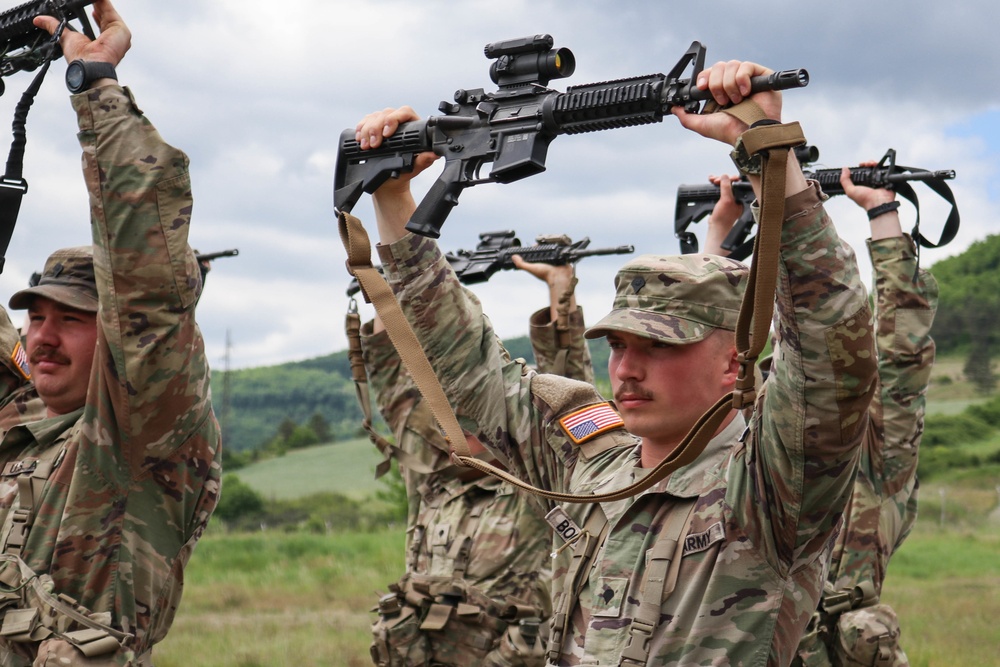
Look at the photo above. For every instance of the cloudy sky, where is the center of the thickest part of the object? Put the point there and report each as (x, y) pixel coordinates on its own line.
(257, 93)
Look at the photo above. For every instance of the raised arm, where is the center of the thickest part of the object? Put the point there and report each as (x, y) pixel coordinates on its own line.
(556, 332)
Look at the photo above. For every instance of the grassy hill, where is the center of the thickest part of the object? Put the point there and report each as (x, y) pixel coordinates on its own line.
(345, 467)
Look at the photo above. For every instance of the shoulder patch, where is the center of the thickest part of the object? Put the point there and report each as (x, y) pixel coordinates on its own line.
(20, 359)
(589, 422)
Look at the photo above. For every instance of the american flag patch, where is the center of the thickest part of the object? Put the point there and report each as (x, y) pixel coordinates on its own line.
(20, 359)
(591, 421)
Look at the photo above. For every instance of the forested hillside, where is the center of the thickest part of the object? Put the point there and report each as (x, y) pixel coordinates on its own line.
(263, 400)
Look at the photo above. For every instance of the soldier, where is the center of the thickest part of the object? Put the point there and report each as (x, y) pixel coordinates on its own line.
(103, 500)
(722, 562)
(471, 539)
(851, 626)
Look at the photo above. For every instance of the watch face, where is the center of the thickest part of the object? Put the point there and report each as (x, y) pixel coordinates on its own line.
(75, 76)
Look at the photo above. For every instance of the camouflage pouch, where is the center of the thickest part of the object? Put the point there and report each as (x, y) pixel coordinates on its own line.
(396, 637)
(868, 637)
(522, 645)
(60, 653)
(462, 624)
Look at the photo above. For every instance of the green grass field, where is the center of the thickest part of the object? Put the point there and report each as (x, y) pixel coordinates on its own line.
(346, 467)
(299, 600)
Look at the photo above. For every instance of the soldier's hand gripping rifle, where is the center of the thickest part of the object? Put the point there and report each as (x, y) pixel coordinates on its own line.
(495, 250)
(23, 47)
(694, 202)
(511, 129)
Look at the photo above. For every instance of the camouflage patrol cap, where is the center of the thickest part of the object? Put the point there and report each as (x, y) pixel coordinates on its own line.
(68, 279)
(675, 298)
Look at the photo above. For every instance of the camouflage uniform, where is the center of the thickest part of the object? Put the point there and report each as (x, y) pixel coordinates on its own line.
(851, 627)
(19, 403)
(471, 531)
(766, 499)
(133, 476)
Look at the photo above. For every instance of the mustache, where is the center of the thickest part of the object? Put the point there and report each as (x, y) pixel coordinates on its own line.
(48, 353)
(632, 388)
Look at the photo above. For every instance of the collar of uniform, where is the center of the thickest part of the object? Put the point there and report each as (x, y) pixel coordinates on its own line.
(694, 479)
(686, 482)
(44, 432)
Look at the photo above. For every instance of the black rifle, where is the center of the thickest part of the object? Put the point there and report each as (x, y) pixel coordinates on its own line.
(205, 257)
(695, 202)
(496, 249)
(512, 127)
(209, 256)
(23, 47)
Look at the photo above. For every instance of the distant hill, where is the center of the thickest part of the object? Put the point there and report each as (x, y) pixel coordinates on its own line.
(261, 398)
(347, 467)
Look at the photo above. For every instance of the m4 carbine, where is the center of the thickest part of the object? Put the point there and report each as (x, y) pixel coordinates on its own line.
(495, 250)
(511, 128)
(695, 202)
(23, 47)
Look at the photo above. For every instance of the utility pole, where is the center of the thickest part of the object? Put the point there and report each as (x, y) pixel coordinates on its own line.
(226, 393)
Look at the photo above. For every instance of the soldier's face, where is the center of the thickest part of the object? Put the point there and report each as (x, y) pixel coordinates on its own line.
(60, 344)
(661, 389)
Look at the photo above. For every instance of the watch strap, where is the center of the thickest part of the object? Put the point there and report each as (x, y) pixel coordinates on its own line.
(93, 70)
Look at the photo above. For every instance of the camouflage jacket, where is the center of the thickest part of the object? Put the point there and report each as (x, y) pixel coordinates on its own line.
(509, 540)
(883, 508)
(136, 470)
(767, 501)
(883, 504)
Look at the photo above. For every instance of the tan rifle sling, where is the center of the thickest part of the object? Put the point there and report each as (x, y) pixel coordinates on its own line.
(352, 326)
(772, 142)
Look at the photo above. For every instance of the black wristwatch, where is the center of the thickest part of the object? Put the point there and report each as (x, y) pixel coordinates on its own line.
(82, 73)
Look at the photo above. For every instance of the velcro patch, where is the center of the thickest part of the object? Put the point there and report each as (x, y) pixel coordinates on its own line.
(590, 422)
(20, 359)
(562, 524)
(696, 542)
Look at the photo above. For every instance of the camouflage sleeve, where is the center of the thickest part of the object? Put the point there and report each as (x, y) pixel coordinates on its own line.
(399, 401)
(152, 394)
(906, 302)
(812, 415)
(492, 394)
(545, 345)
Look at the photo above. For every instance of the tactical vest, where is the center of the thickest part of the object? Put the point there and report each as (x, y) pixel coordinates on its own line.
(663, 565)
(31, 611)
(432, 620)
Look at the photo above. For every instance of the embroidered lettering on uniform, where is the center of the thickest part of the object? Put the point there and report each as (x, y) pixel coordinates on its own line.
(20, 359)
(561, 522)
(590, 422)
(696, 542)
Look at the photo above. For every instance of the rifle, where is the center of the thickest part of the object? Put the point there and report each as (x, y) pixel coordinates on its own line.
(209, 256)
(496, 249)
(694, 202)
(23, 47)
(512, 127)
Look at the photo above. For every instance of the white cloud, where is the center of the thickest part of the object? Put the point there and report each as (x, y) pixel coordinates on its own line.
(258, 94)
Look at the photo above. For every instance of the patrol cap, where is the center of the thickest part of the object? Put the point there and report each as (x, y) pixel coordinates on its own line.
(675, 298)
(68, 279)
